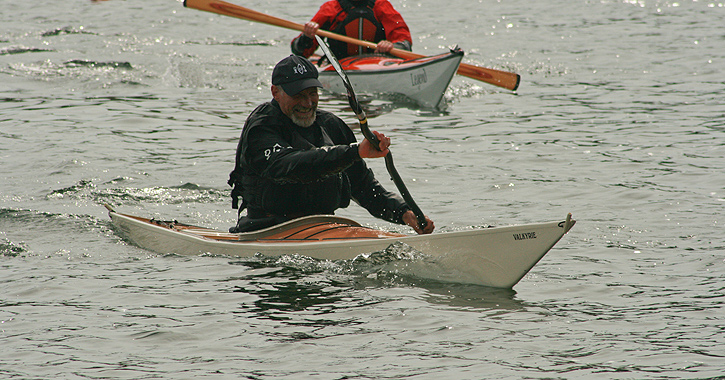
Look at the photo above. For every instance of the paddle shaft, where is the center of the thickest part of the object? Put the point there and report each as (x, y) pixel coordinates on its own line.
(504, 79)
(394, 175)
(370, 136)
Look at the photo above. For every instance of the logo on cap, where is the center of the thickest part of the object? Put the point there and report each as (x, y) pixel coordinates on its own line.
(299, 69)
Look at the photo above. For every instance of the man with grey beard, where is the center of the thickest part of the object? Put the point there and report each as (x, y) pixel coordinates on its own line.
(295, 160)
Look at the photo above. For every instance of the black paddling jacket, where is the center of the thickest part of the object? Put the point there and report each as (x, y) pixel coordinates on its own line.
(290, 171)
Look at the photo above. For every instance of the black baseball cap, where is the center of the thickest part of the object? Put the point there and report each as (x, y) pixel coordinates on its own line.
(294, 74)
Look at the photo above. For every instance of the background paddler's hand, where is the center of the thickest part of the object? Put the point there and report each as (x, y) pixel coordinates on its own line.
(367, 150)
(310, 29)
(384, 47)
(410, 219)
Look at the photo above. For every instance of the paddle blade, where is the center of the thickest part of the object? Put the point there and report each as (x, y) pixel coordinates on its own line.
(509, 81)
(233, 10)
(352, 99)
(504, 79)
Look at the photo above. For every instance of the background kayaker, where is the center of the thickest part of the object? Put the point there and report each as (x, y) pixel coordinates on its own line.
(294, 160)
(381, 24)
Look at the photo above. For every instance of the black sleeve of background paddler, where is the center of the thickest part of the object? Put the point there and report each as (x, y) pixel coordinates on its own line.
(403, 45)
(300, 44)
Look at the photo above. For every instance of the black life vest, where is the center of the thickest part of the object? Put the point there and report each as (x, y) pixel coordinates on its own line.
(263, 197)
(360, 23)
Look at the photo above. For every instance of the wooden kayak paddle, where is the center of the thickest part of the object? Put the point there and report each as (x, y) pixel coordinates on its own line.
(504, 79)
(360, 113)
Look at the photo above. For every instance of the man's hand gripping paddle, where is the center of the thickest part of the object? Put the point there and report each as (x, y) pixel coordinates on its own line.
(370, 136)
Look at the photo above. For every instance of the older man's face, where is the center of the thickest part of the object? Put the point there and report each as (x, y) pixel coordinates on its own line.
(301, 107)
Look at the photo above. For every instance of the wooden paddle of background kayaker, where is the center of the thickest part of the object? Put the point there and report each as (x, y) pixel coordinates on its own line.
(507, 80)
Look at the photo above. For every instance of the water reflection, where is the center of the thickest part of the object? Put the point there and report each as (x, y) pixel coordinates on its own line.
(298, 299)
(319, 287)
(473, 297)
(374, 106)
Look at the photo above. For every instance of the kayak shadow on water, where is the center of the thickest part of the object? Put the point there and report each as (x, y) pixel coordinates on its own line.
(375, 105)
(289, 289)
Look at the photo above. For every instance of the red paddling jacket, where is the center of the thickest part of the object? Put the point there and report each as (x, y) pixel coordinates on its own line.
(368, 20)
(284, 171)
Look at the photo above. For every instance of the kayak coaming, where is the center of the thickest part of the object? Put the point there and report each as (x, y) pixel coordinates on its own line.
(497, 257)
(423, 80)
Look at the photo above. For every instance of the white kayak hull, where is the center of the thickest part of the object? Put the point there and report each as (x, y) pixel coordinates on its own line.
(497, 257)
(421, 80)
